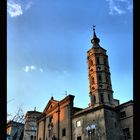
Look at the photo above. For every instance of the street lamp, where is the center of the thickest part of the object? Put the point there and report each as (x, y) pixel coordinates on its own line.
(91, 130)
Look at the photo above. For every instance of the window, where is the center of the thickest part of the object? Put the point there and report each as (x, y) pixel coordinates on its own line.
(99, 78)
(97, 60)
(79, 138)
(107, 79)
(63, 132)
(105, 62)
(109, 98)
(102, 98)
(94, 99)
(126, 134)
(78, 123)
(122, 114)
(31, 138)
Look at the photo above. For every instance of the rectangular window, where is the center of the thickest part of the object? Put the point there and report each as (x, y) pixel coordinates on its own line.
(78, 123)
(98, 62)
(63, 132)
(102, 97)
(126, 134)
(99, 78)
(122, 114)
(105, 62)
(79, 138)
(109, 98)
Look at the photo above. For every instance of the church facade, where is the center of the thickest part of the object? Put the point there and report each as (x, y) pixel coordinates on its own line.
(103, 119)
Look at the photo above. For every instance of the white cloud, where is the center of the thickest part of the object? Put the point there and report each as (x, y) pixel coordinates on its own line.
(26, 68)
(119, 7)
(32, 68)
(14, 9)
(117, 10)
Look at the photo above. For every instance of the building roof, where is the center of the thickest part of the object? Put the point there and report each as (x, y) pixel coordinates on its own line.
(130, 102)
(93, 109)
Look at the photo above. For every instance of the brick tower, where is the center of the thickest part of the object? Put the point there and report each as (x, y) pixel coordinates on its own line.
(99, 74)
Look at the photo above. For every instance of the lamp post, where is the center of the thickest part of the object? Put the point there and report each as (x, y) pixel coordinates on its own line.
(50, 128)
(91, 130)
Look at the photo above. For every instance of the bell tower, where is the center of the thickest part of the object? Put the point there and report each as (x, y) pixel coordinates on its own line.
(100, 88)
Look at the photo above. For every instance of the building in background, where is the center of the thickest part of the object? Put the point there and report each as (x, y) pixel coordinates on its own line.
(103, 119)
(15, 130)
(30, 126)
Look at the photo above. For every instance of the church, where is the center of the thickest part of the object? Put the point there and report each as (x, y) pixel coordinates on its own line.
(104, 119)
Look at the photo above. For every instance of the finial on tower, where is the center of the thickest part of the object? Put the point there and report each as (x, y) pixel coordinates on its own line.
(94, 34)
(95, 39)
(94, 27)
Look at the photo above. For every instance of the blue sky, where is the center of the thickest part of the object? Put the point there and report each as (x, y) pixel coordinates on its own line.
(47, 44)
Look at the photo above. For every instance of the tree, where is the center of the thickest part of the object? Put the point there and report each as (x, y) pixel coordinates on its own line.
(15, 125)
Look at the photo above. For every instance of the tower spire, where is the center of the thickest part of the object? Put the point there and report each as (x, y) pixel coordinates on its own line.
(95, 40)
(94, 34)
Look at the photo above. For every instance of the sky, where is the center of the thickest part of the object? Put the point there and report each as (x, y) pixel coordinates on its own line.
(47, 44)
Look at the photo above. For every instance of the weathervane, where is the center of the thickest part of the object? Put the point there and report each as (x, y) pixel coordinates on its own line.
(94, 27)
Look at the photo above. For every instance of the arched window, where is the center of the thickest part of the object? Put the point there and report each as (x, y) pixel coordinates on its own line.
(31, 138)
(63, 132)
